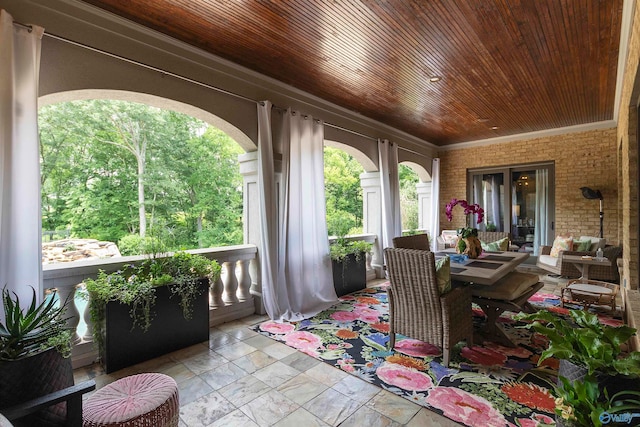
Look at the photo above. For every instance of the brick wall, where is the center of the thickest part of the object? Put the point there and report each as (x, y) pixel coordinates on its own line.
(627, 138)
(581, 159)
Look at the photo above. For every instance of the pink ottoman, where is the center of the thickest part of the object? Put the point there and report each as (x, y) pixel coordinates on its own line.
(143, 400)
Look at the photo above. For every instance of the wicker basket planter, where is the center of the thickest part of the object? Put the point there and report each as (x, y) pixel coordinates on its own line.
(35, 376)
(125, 345)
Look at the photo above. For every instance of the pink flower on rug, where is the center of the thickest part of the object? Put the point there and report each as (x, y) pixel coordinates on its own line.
(483, 356)
(416, 348)
(403, 377)
(303, 341)
(344, 316)
(277, 328)
(610, 321)
(536, 420)
(542, 296)
(465, 407)
(520, 352)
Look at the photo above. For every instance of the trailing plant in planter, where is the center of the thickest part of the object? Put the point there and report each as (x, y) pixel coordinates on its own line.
(135, 285)
(586, 398)
(342, 248)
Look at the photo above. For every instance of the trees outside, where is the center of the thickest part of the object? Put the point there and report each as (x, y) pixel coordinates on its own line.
(344, 194)
(166, 181)
(112, 169)
(408, 197)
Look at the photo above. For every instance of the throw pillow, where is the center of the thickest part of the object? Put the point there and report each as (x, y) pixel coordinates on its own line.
(581, 245)
(443, 274)
(561, 244)
(497, 246)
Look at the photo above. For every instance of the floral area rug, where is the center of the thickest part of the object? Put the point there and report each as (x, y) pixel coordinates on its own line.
(486, 385)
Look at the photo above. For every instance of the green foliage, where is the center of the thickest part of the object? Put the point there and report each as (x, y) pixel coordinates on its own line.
(408, 197)
(582, 402)
(341, 248)
(587, 342)
(343, 191)
(97, 154)
(133, 244)
(596, 347)
(32, 330)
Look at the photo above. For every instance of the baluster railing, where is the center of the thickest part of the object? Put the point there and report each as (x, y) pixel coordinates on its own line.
(229, 297)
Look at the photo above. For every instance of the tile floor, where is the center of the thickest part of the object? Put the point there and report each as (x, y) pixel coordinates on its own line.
(242, 378)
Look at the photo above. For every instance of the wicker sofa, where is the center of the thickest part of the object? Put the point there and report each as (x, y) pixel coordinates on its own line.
(556, 265)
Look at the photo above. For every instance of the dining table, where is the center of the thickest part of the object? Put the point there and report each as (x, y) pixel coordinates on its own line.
(494, 272)
(487, 269)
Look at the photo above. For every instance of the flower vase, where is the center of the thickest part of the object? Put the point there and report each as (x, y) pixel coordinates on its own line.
(469, 246)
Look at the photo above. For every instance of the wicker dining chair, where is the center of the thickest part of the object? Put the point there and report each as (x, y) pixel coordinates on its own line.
(416, 308)
(416, 241)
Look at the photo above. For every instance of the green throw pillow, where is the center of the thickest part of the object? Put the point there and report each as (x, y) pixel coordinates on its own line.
(443, 274)
(497, 246)
(581, 245)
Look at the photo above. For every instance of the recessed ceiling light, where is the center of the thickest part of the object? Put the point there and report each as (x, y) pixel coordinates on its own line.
(495, 128)
(435, 79)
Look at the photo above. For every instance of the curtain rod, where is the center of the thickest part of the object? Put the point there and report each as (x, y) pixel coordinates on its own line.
(187, 79)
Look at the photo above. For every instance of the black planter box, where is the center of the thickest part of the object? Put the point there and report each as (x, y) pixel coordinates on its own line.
(351, 275)
(169, 330)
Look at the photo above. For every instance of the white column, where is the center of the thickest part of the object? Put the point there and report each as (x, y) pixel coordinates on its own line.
(251, 220)
(423, 190)
(372, 215)
(251, 216)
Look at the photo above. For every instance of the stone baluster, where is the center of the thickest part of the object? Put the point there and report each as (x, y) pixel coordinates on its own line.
(230, 283)
(215, 293)
(86, 315)
(244, 282)
(68, 293)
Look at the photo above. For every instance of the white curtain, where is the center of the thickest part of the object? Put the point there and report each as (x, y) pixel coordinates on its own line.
(20, 223)
(495, 203)
(434, 227)
(294, 253)
(390, 192)
(542, 202)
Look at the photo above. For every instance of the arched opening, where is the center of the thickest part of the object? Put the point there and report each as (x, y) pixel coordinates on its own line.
(149, 174)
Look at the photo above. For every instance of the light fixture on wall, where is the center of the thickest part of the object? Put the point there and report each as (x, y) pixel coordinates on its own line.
(588, 193)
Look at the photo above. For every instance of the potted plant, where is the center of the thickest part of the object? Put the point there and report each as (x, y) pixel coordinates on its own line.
(35, 345)
(595, 377)
(348, 257)
(151, 308)
(468, 243)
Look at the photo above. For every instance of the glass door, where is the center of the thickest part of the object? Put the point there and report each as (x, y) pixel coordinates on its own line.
(517, 199)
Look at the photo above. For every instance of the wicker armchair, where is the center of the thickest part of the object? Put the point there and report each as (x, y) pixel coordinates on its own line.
(416, 308)
(417, 241)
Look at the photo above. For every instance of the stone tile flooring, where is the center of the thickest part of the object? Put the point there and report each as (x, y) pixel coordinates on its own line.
(242, 378)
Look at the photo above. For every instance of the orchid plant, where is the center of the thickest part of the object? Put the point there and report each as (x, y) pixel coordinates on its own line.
(468, 209)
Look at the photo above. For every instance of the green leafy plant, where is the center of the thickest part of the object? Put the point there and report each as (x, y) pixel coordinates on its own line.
(135, 285)
(587, 343)
(342, 248)
(583, 403)
(27, 331)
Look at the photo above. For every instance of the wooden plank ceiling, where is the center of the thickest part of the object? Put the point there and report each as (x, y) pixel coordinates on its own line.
(505, 66)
